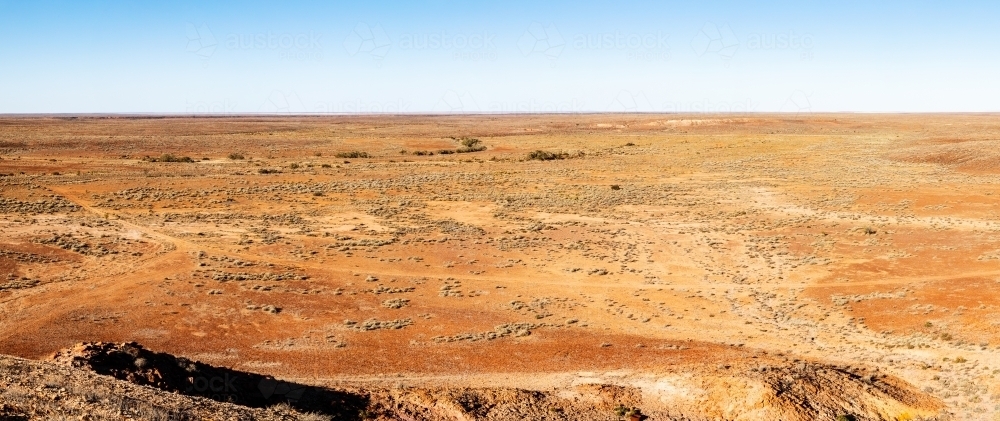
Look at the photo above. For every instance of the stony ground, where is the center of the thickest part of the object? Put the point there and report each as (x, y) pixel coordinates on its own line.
(652, 253)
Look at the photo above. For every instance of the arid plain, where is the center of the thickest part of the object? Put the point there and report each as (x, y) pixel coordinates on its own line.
(730, 267)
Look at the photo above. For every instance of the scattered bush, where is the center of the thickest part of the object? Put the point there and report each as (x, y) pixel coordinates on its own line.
(267, 171)
(470, 144)
(847, 417)
(235, 156)
(446, 151)
(353, 154)
(541, 155)
(168, 158)
(629, 413)
(294, 166)
(423, 153)
(325, 166)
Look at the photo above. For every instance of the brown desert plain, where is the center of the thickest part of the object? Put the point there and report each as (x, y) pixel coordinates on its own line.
(500, 267)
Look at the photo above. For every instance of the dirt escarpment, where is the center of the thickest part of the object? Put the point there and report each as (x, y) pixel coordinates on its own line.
(759, 388)
(133, 363)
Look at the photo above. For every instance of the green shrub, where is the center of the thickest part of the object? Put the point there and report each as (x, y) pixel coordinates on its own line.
(471, 149)
(353, 154)
(541, 155)
(168, 158)
(470, 144)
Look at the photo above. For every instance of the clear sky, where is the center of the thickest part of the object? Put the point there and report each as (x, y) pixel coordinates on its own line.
(498, 56)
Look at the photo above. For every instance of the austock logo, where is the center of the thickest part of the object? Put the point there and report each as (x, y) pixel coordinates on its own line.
(548, 41)
(376, 42)
(716, 40)
(222, 389)
(539, 39)
(200, 40)
(722, 41)
(291, 392)
(798, 102)
(368, 39)
(638, 102)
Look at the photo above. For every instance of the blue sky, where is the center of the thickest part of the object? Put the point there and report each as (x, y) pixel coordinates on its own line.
(509, 56)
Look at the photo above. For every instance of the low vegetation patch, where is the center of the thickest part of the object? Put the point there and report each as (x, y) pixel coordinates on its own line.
(353, 154)
(470, 144)
(167, 158)
(540, 155)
